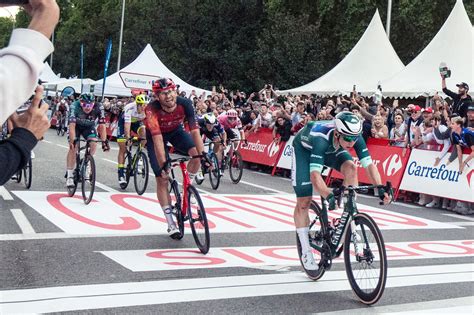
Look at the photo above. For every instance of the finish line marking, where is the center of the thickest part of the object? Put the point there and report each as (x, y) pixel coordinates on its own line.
(22, 221)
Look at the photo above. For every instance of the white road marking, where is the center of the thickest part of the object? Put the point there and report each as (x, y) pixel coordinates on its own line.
(110, 161)
(63, 146)
(265, 174)
(46, 141)
(5, 194)
(458, 216)
(264, 187)
(22, 221)
(403, 204)
(463, 223)
(105, 187)
(72, 298)
(62, 235)
(462, 305)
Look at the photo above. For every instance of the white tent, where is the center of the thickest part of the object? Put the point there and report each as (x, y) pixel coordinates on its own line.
(147, 64)
(62, 83)
(47, 75)
(453, 45)
(371, 60)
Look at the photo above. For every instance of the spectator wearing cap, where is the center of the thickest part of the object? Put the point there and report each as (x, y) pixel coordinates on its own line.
(413, 124)
(427, 113)
(470, 116)
(461, 100)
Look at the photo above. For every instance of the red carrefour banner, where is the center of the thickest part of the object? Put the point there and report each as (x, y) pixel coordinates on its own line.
(389, 161)
(261, 148)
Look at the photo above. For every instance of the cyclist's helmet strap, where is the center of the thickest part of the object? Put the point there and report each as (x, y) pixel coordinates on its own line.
(348, 124)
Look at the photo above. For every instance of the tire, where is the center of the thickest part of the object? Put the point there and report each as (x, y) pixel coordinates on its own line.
(19, 176)
(63, 130)
(236, 167)
(369, 233)
(58, 128)
(28, 173)
(88, 178)
(214, 175)
(140, 178)
(198, 220)
(317, 229)
(177, 211)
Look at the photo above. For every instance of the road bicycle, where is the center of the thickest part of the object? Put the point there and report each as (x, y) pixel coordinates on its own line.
(136, 166)
(25, 173)
(84, 171)
(358, 236)
(61, 125)
(231, 159)
(188, 205)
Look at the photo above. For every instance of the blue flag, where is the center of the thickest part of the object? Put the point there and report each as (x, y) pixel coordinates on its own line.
(82, 64)
(108, 53)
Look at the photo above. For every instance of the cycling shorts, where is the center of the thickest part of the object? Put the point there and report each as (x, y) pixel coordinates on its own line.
(231, 134)
(86, 132)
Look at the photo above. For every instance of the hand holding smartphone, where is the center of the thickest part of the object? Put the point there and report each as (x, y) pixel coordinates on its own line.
(13, 2)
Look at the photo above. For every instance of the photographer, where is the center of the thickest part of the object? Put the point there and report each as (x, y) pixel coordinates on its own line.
(22, 60)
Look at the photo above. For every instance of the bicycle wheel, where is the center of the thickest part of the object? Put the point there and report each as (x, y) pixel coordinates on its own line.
(177, 211)
(63, 130)
(198, 220)
(28, 173)
(141, 173)
(236, 167)
(214, 175)
(19, 176)
(367, 269)
(316, 233)
(88, 178)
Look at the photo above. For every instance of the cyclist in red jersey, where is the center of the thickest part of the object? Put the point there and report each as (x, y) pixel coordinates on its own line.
(164, 121)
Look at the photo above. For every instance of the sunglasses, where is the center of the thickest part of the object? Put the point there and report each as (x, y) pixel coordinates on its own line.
(231, 118)
(87, 106)
(350, 138)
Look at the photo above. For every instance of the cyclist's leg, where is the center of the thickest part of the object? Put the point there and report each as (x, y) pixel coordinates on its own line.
(344, 163)
(91, 134)
(141, 131)
(162, 193)
(184, 143)
(121, 141)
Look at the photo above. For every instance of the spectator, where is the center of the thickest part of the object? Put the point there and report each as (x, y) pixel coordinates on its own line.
(470, 116)
(379, 129)
(283, 129)
(245, 117)
(22, 60)
(398, 131)
(300, 124)
(413, 123)
(296, 116)
(266, 118)
(254, 124)
(460, 100)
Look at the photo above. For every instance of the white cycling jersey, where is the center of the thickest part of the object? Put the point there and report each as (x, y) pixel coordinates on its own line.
(131, 114)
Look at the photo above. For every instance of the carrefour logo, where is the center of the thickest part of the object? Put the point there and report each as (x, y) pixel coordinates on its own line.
(438, 173)
(273, 149)
(392, 165)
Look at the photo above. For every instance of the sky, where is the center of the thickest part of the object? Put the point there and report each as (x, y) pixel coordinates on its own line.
(12, 9)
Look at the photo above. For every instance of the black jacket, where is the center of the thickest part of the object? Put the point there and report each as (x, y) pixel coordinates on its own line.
(459, 104)
(15, 152)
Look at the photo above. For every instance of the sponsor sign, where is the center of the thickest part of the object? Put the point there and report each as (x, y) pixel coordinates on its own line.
(285, 158)
(123, 213)
(445, 181)
(259, 256)
(261, 148)
(137, 80)
(389, 160)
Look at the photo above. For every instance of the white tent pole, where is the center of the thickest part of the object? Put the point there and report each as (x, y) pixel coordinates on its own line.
(389, 17)
(51, 56)
(121, 36)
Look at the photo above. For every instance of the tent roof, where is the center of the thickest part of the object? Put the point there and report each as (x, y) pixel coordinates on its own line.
(450, 45)
(47, 75)
(147, 63)
(371, 60)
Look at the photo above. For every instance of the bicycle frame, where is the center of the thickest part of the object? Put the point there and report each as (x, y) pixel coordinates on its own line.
(137, 151)
(186, 184)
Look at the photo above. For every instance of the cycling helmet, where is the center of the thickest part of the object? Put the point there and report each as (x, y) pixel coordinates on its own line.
(232, 113)
(209, 119)
(163, 84)
(141, 99)
(348, 124)
(87, 98)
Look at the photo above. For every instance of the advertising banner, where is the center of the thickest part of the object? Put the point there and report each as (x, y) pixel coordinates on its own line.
(444, 181)
(137, 80)
(261, 148)
(285, 158)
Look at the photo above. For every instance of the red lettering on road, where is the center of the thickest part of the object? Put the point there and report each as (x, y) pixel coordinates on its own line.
(205, 260)
(403, 220)
(393, 251)
(245, 199)
(128, 223)
(465, 250)
(214, 212)
(242, 255)
(270, 252)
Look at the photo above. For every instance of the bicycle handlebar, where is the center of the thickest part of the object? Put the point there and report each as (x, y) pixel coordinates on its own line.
(340, 190)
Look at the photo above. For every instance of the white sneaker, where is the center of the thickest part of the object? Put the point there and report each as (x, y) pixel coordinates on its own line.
(445, 203)
(308, 261)
(434, 203)
(174, 232)
(122, 180)
(32, 154)
(70, 182)
(140, 167)
(199, 176)
(424, 199)
(452, 205)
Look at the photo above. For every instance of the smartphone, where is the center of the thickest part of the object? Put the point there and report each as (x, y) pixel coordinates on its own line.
(14, 2)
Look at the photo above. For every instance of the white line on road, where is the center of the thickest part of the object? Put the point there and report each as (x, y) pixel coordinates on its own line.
(105, 187)
(263, 187)
(63, 235)
(5, 194)
(449, 306)
(403, 204)
(458, 216)
(265, 174)
(71, 298)
(110, 161)
(63, 146)
(462, 223)
(22, 221)
(46, 141)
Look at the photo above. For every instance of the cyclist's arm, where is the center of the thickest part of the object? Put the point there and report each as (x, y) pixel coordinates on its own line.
(127, 126)
(72, 131)
(196, 135)
(316, 166)
(193, 125)
(159, 147)
(363, 154)
(102, 130)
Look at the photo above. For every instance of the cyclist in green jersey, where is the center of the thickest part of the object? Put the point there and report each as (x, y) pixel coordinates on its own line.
(327, 144)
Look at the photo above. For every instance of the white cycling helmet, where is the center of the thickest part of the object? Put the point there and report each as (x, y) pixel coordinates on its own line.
(348, 124)
(209, 119)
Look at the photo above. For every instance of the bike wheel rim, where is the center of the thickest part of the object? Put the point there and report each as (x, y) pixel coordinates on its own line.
(88, 179)
(198, 221)
(141, 174)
